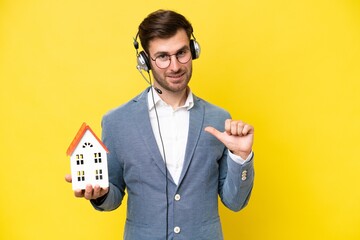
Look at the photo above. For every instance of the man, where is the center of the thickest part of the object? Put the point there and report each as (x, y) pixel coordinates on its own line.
(173, 152)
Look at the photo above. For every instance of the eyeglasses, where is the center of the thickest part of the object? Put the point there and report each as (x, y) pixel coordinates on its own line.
(163, 61)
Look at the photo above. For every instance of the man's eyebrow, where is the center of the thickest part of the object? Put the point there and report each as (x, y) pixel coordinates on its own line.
(185, 47)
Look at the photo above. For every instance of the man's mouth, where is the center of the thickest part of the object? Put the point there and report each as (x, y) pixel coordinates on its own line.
(176, 76)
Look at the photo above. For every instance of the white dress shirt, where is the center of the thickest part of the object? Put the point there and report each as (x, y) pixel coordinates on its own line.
(173, 134)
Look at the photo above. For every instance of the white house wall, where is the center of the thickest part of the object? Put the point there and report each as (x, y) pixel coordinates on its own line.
(87, 147)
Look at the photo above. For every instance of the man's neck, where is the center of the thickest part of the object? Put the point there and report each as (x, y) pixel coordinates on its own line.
(175, 99)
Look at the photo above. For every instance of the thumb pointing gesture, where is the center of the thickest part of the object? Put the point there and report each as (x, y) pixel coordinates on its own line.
(238, 137)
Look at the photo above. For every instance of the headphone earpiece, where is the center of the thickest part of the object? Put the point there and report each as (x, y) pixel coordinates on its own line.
(195, 49)
(143, 62)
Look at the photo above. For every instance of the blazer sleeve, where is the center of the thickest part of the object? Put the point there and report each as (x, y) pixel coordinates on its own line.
(116, 177)
(235, 182)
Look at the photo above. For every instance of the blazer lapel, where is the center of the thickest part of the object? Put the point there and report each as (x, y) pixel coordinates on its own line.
(142, 122)
(195, 127)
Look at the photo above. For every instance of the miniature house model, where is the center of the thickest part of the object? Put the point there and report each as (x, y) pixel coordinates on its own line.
(88, 159)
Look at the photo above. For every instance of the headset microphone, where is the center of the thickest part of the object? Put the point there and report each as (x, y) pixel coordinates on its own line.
(158, 90)
(148, 81)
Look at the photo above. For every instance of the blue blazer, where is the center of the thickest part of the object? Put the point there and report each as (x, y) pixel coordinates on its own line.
(135, 164)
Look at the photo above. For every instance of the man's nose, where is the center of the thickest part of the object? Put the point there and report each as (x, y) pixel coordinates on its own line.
(174, 63)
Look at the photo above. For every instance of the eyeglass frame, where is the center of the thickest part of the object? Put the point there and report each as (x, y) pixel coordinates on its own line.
(168, 56)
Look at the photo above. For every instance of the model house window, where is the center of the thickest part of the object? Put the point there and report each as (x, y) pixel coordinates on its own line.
(87, 144)
(81, 176)
(79, 159)
(98, 174)
(97, 157)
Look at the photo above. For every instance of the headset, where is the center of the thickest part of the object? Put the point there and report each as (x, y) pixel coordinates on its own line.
(143, 62)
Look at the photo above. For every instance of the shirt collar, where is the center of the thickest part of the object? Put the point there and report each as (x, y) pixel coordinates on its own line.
(189, 103)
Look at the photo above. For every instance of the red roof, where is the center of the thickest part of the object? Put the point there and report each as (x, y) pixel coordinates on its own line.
(84, 127)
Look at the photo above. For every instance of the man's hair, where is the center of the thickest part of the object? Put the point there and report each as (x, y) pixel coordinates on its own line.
(162, 24)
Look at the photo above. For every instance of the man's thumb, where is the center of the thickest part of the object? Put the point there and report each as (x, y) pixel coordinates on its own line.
(214, 132)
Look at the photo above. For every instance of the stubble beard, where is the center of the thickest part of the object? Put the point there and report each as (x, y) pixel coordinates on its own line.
(161, 80)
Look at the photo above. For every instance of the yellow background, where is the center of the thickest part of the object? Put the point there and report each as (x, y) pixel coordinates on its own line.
(291, 68)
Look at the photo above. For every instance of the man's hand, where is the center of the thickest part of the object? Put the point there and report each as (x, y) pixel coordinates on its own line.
(89, 192)
(238, 137)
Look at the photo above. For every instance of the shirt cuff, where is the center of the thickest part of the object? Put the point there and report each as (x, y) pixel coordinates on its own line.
(100, 200)
(239, 159)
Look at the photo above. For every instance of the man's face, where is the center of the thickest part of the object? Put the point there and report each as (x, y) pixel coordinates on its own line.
(176, 76)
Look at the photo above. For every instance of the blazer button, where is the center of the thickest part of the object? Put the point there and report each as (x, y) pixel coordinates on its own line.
(243, 175)
(176, 229)
(177, 197)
